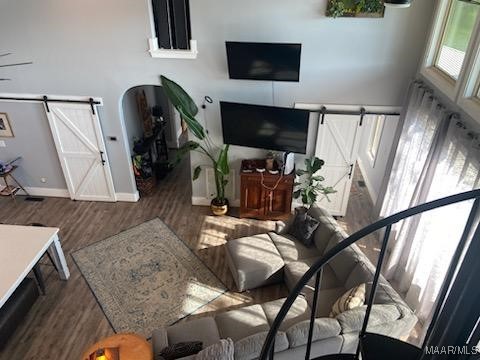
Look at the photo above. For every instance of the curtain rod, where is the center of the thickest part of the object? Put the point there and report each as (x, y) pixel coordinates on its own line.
(362, 113)
(46, 100)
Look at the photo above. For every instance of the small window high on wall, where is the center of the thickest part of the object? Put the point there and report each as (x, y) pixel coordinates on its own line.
(172, 24)
(171, 30)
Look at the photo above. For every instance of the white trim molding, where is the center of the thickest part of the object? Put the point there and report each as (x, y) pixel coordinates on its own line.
(157, 52)
(469, 99)
(440, 80)
(47, 192)
(373, 194)
(456, 90)
(128, 197)
(63, 193)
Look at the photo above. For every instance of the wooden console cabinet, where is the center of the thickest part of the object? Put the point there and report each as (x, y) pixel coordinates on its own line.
(265, 196)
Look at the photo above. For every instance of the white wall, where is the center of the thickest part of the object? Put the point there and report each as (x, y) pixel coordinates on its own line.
(99, 48)
(373, 170)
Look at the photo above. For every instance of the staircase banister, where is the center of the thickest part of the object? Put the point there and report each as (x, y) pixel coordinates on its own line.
(329, 255)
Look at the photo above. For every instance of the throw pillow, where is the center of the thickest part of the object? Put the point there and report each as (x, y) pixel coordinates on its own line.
(177, 351)
(223, 350)
(353, 298)
(303, 226)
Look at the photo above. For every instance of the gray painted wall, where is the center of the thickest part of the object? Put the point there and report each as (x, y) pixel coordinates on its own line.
(99, 48)
(33, 141)
(133, 125)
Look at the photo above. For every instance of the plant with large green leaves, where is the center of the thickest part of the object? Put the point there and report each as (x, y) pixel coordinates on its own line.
(217, 155)
(311, 187)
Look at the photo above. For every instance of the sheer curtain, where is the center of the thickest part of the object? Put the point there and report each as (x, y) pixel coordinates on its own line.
(437, 156)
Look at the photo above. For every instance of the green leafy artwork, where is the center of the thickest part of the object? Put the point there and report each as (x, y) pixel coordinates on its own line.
(355, 8)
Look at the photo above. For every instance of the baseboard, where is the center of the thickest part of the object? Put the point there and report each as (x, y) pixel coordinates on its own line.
(371, 192)
(128, 197)
(63, 193)
(47, 192)
(202, 201)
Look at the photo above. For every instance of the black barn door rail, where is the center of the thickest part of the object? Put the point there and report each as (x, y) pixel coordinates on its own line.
(46, 100)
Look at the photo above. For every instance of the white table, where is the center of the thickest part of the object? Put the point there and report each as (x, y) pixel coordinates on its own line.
(21, 247)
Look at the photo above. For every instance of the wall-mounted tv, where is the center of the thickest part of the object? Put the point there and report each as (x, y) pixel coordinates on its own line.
(265, 127)
(264, 61)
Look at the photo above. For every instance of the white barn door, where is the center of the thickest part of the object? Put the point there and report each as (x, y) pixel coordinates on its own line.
(79, 141)
(337, 144)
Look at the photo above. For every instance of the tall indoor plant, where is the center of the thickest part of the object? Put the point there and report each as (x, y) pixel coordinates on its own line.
(311, 186)
(218, 156)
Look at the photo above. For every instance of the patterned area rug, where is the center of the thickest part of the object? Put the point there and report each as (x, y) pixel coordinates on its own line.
(146, 277)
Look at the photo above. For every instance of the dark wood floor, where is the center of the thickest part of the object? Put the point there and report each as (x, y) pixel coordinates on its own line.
(68, 318)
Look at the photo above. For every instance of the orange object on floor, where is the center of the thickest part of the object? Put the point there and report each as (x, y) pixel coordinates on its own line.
(131, 347)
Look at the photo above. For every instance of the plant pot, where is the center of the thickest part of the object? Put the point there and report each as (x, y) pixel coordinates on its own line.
(218, 209)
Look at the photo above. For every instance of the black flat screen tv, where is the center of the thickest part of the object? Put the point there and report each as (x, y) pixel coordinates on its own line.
(264, 61)
(265, 127)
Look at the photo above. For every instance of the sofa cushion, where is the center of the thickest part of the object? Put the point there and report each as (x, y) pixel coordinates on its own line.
(202, 329)
(222, 350)
(254, 261)
(353, 298)
(291, 249)
(297, 313)
(250, 347)
(352, 320)
(326, 299)
(344, 262)
(303, 227)
(248, 328)
(327, 227)
(295, 270)
(323, 328)
(240, 323)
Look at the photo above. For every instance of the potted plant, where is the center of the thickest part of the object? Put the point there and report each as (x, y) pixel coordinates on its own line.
(187, 108)
(311, 186)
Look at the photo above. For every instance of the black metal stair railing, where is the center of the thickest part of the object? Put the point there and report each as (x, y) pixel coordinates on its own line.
(317, 268)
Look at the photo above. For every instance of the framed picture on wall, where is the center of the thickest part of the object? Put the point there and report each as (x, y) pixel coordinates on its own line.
(5, 128)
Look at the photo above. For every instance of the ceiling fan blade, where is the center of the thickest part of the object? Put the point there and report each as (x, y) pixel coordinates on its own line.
(5, 79)
(6, 54)
(17, 64)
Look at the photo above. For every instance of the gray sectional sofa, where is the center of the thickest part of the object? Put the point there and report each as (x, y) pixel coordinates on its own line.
(278, 257)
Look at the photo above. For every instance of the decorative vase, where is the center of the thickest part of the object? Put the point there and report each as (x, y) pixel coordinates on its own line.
(218, 209)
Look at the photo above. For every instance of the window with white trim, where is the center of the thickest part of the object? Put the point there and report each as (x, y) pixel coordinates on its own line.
(375, 137)
(452, 59)
(171, 29)
(459, 26)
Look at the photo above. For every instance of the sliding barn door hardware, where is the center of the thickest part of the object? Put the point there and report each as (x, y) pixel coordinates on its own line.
(45, 101)
(323, 111)
(351, 171)
(102, 158)
(92, 105)
(362, 112)
(362, 115)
